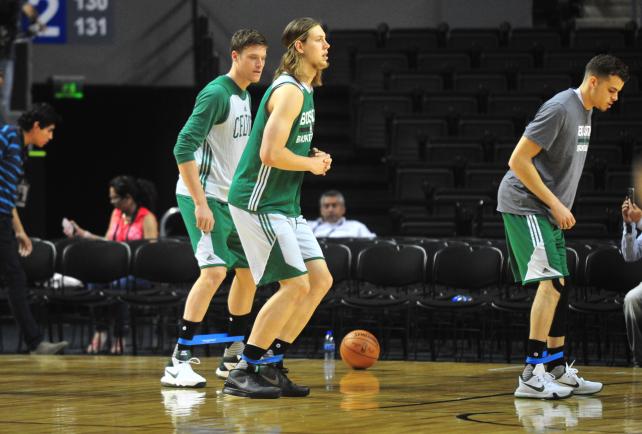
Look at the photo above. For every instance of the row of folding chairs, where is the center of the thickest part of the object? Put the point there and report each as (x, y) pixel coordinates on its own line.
(414, 185)
(499, 71)
(108, 273)
(457, 286)
(518, 38)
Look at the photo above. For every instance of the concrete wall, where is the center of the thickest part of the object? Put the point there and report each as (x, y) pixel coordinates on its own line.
(153, 38)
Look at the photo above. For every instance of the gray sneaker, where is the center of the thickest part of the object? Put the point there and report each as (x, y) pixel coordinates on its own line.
(46, 347)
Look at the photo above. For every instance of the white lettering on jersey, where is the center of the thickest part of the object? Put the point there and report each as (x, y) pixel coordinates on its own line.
(584, 131)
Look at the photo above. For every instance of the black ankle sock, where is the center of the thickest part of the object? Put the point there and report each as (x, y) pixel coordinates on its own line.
(238, 326)
(557, 362)
(187, 330)
(535, 350)
(279, 347)
(253, 352)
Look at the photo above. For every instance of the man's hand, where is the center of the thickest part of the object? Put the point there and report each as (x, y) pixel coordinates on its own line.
(204, 218)
(625, 211)
(563, 216)
(635, 213)
(24, 244)
(320, 163)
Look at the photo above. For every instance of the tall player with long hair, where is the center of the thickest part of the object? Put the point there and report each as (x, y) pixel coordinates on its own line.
(264, 202)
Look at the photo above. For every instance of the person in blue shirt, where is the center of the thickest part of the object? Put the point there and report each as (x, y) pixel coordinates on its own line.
(35, 127)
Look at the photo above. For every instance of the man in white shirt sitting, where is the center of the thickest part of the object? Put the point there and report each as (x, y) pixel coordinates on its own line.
(632, 251)
(332, 223)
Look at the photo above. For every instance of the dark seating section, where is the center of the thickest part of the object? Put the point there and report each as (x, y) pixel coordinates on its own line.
(423, 297)
(454, 102)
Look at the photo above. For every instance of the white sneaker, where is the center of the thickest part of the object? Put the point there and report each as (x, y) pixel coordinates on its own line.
(179, 373)
(540, 415)
(541, 385)
(579, 385)
(182, 402)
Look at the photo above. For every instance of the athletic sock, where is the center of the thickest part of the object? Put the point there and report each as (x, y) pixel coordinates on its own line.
(186, 331)
(556, 367)
(236, 349)
(278, 348)
(535, 350)
(252, 353)
(238, 326)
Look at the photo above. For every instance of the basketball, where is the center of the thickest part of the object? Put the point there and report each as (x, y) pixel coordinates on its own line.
(359, 349)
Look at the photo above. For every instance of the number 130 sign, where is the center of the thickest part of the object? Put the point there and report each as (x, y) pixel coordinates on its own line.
(75, 21)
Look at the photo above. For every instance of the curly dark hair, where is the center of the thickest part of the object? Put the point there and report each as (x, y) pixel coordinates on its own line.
(141, 190)
(42, 113)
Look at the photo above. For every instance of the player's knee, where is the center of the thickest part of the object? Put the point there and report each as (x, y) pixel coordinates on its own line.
(213, 276)
(299, 288)
(547, 288)
(324, 283)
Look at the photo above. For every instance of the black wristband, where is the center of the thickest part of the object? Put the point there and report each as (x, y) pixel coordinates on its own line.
(628, 227)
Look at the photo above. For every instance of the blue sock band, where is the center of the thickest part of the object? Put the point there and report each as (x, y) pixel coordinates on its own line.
(217, 338)
(264, 361)
(545, 358)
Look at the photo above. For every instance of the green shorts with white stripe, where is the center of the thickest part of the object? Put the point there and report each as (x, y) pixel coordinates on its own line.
(277, 246)
(221, 247)
(537, 249)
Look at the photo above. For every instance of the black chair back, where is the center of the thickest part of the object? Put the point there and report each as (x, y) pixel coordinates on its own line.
(96, 261)
(391, 265)
(39, 265)
(463, 267)
(606, 269)
(166, 261)
(339, 260)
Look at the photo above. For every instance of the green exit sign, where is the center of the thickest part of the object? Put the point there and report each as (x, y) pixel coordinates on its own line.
(68, 86)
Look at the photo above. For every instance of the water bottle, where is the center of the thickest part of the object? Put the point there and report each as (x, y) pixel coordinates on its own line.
(461, 299)
(328, 360)
(328, 346)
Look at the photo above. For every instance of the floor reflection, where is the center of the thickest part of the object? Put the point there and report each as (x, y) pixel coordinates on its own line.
(542, 415)
(359, 390)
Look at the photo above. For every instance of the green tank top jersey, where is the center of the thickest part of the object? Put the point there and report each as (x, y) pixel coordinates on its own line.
(259, 188)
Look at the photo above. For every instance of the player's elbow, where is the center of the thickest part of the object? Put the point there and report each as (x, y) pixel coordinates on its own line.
(266, 157)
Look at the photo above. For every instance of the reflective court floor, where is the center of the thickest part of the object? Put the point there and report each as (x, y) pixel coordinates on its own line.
(83, 394)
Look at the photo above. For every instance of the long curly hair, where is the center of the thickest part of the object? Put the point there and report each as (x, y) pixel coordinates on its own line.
(296, 30)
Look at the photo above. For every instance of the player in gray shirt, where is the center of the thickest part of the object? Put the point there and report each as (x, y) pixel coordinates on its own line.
(535, 198)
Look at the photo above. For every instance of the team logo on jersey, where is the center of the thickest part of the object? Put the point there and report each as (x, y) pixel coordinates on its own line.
(242, 126)
(306, 126)
(583, 137)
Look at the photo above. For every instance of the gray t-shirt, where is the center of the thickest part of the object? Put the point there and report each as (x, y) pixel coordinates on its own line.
(562, 128)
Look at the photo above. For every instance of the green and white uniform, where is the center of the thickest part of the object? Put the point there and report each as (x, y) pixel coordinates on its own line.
(215, 136)
(265, 201)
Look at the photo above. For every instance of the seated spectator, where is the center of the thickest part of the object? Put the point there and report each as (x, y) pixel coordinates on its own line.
(332, 223)
(632, 251)
(131, 220)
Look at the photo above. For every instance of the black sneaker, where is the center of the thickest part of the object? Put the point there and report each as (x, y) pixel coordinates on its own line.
(249, 384)
(227, 364)
(276, 376)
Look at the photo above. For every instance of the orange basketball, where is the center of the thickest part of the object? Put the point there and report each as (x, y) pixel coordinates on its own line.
(359, 349)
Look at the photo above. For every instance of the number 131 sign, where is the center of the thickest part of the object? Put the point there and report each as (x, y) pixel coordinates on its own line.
(75, 21)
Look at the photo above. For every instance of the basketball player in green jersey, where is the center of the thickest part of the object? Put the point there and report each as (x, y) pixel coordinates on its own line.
(264, 204)
(207, 152)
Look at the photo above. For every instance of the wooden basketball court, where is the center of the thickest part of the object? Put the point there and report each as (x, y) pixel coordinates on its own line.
(83, 394)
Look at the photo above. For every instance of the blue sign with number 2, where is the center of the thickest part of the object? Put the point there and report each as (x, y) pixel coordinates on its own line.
(53, 14)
